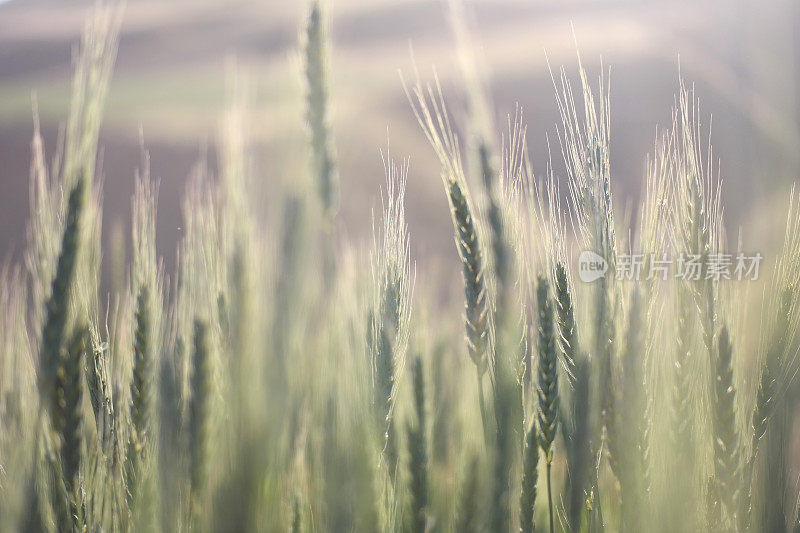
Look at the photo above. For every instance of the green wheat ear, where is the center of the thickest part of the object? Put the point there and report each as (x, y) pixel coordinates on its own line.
(548, 371)
(58, 304)
(469, 249)
(530, 476)
(547, 382)
(633, 426)
(61, 362)
(418, 451)
(501, 251)
(568, 335)
(579, 449)
(725, 430)
(297, 515)
(577, 372)
(141, 391)
(68, 418)
(469, 517)
(766, 397)
(476, 302)
(199, 413)
(142, 383)
(324, 164)
(796, 519)
(389, 313)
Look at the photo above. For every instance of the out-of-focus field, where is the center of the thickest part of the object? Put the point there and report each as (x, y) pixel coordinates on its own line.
(170, 80)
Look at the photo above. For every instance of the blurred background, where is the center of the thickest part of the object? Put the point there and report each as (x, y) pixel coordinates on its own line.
(743, 58)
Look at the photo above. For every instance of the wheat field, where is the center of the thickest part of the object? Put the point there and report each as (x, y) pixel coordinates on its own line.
(286, 378)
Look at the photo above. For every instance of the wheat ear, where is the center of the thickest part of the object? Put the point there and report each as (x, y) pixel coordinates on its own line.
(530, 476)
(68, 417)
(568, 334)
(469, 515)
(577, 435)
(633, 429)
(477, 309)
(725, 431)
(548, 382)
(199, 413)
(418, 451)
(297, 515)
(431, 113)
(58, 304)
(476, 303)
(389, 317)
(317, 110)
(501, 250)
(141, 390)
(765, 397)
